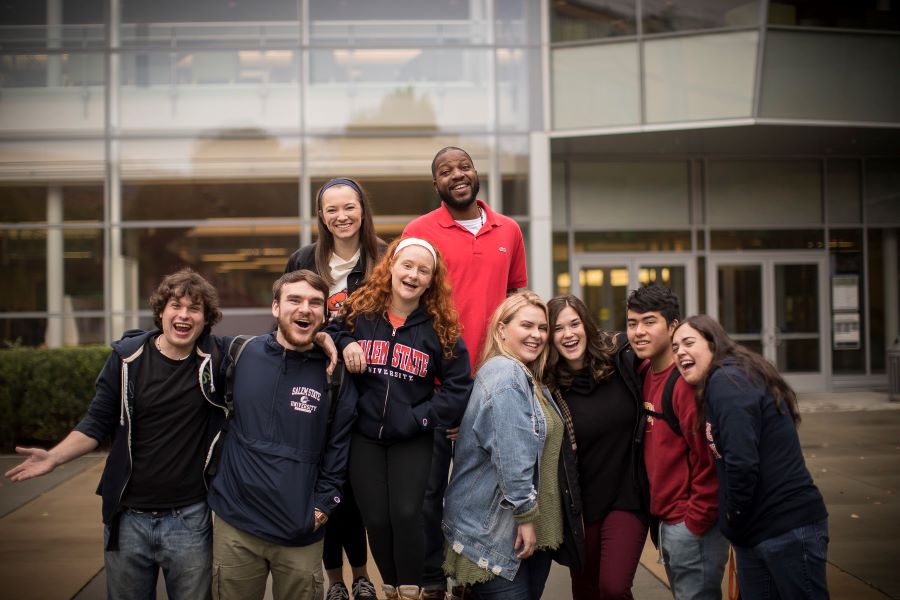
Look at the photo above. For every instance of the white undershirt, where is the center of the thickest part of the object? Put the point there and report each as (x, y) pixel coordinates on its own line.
(473, 225)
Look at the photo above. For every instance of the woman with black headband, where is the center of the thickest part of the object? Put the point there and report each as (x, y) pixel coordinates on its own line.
(344, 254)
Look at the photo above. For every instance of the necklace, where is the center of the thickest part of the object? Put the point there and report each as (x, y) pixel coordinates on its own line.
(166, 355)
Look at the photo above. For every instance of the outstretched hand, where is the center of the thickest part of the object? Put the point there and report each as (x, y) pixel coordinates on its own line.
(37, 462)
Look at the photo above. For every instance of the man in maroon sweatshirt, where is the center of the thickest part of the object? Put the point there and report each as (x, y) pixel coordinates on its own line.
(683, 484)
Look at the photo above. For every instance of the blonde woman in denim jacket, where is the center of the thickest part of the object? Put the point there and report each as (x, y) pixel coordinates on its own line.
(503, 515)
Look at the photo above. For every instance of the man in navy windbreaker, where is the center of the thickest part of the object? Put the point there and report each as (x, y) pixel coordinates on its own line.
(284, 457)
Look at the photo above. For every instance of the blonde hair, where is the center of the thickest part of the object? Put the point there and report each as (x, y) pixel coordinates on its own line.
(495, 346)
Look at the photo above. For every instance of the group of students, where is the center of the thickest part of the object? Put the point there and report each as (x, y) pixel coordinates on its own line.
(568, 443)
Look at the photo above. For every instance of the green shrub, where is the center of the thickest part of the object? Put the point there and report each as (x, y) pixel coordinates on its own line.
(45, 392)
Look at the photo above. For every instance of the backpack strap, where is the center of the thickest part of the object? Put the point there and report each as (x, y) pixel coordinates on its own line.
(235, 348)
(668, 411)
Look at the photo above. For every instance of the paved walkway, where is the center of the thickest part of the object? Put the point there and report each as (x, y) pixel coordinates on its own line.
(51, 541)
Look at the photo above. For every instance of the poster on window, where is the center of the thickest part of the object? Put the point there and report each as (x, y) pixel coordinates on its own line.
(846, 331)
(845, 292)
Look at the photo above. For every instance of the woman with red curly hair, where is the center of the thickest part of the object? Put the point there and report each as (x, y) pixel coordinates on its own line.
(400, 338)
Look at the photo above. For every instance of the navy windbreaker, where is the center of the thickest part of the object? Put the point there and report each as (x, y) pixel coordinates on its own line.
(282, 458)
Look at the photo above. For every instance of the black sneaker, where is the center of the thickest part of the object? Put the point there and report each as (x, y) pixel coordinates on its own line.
(338, 591)
(363, 589)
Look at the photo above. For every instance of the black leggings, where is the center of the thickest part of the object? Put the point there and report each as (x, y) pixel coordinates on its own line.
(345, 532)
(390, 477)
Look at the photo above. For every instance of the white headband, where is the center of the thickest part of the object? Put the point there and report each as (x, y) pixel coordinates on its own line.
(411, 241)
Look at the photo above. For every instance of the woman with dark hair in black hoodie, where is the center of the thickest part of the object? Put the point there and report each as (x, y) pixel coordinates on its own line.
(344, 255)
(593, 376)
(769, 508)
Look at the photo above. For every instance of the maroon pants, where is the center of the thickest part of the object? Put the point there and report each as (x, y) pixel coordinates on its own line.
(612, 549)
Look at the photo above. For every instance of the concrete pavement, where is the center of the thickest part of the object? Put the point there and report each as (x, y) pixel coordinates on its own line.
(51, 536)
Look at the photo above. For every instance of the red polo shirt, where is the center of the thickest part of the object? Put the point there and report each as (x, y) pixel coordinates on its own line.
(481, 267)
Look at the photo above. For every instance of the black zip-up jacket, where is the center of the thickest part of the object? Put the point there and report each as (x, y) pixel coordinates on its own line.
(112, 409)
(305, 258)
(408, 387)
(628, 364)
(571, 553)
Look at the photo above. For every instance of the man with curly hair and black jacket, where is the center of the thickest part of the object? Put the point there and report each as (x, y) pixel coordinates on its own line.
(156, 399)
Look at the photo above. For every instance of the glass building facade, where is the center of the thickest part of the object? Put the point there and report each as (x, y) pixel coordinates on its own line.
(746, 153)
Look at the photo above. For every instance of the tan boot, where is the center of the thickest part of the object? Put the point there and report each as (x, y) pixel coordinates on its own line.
(409, 592)
(390, 592)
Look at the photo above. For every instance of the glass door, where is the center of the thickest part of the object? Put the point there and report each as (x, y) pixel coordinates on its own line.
(776, 305)
(603, 281)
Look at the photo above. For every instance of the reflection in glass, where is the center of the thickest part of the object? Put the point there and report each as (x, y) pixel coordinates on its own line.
(764, 192)
(797, 334)
(700, 77)
(210, 200)
(574, 20)
(622, 194)
(23, 204)
(859, 14)
(22, 332)
(672, 277)
(393, 196)
(175, 11)
(401, 88)
(861, 68)
(798, 356)
(740, 300)
(883, 190)
(603, 290)
(25, 270)
(562, 279)
(210, 88)
(768, 239)
(609, 96)
(661, 16)
(58, 92)
(633, 241)
(241, 260)
(843, 191)
(796, 299)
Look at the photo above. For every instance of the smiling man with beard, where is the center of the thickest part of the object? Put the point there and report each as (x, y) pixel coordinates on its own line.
(285, 455)
(485, 257)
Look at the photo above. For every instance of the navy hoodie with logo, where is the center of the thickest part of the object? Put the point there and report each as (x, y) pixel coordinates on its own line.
(409, 386)
(286, 450)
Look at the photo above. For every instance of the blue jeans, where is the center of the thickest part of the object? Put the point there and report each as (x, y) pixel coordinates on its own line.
(694, 564)
(178, 541)
(528, 583)
(791, 565)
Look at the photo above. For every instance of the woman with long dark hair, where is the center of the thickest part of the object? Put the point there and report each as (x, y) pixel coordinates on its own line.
(401, 326)
(769, 508)
(592, 374)
(343, 255)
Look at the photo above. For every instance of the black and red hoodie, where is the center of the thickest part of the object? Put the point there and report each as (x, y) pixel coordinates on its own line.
(408, 386)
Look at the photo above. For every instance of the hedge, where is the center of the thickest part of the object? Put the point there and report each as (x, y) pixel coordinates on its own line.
(45, 392)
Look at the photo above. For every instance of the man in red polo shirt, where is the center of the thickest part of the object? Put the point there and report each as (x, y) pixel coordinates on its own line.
(485, 258)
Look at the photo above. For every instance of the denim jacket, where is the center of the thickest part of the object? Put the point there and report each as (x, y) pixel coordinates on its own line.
(495, 466)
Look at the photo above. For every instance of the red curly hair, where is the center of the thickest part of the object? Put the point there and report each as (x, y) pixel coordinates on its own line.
(374, 297)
